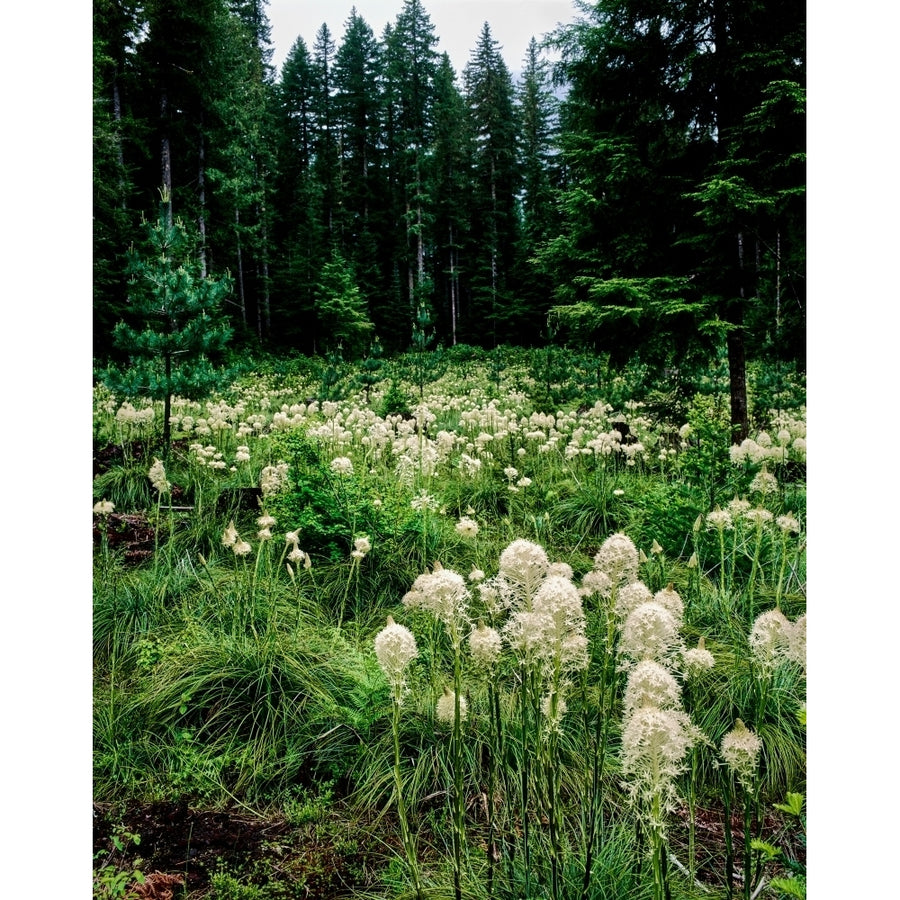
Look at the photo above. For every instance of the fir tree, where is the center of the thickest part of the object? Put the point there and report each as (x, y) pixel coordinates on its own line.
(176, 328)
(340, 309)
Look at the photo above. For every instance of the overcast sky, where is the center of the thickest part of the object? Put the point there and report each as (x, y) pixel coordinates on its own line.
(457, 23)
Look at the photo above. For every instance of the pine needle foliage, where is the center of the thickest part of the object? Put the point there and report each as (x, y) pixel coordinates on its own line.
(174, 329)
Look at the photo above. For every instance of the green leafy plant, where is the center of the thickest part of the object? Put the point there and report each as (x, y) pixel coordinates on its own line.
(793, 883)
(111, 880)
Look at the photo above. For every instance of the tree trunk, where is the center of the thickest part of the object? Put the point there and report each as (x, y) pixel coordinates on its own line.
(167, 407)
(737, 359)
(240, 266)
(166, 156)
(201, 187)
(737, 374)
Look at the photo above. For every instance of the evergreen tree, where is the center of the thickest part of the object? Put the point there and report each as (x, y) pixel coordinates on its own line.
(359, 110)
(178, 63)
(450, 173)
(325, 159)
(299, 235)
(495, 228)
(411, 65)
(538, 117)
(344, 323)
(240, 159)
(666, 210)
(116, 24)
(175, 327)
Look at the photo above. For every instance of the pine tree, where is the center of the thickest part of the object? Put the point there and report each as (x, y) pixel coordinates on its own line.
(116, 23)
(175, 329)
(682, 186)
(538, 117)
(341, 311)
(300, 238)
(490, 97)
(450, 173)
(359, 113)
(411, 65)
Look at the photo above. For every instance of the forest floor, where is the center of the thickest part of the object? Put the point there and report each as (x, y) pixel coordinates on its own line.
(185, 847)
(182, 848)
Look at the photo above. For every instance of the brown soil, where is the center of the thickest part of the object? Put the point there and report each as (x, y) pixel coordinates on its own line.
(182, 848)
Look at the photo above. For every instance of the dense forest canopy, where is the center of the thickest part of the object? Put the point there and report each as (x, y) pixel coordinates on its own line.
(643, 193)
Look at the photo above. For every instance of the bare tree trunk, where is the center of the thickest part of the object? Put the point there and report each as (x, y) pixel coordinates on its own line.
(240, 266)
(201, 186)
(453, 289)
(264, 252)
(120, 156)
(166, 157)
(737, 359)
(494, 252)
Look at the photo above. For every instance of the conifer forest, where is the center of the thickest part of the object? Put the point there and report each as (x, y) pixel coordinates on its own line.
(449, 456)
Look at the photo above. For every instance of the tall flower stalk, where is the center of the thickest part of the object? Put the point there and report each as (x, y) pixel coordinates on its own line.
(395, 649)
(523, 568)
(760, 518)
(361, 546)
(157, 476)
(484, 647)
(720, 521)
(615, 564)
(695, 662)
(787, 525)
(443, 593)
(740, 749)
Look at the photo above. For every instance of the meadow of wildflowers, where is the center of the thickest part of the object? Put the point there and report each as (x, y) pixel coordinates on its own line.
(520, 640)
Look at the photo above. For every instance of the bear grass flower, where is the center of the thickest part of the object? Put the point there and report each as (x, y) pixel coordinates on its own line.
(671, 600)
(796, 643)
(788, 524)
(651, 684)
(740, 749)
(157, 476)
(758, 516)
(738, 506)
(395, 649)
(342, 465)
(630, 597)
(103, 508)
(444, 594)
(230, 535)
(523, 565)
(650, 632)
(769, 639)
(552, 633)
(298, 557)
(618, 558)
(596, 582)
(273, 479)
(467, 527)
(655, 743)
(764, 483)
(445, 708)
(361, 546)
(484, 645)
(719, 520)
(697, 659)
